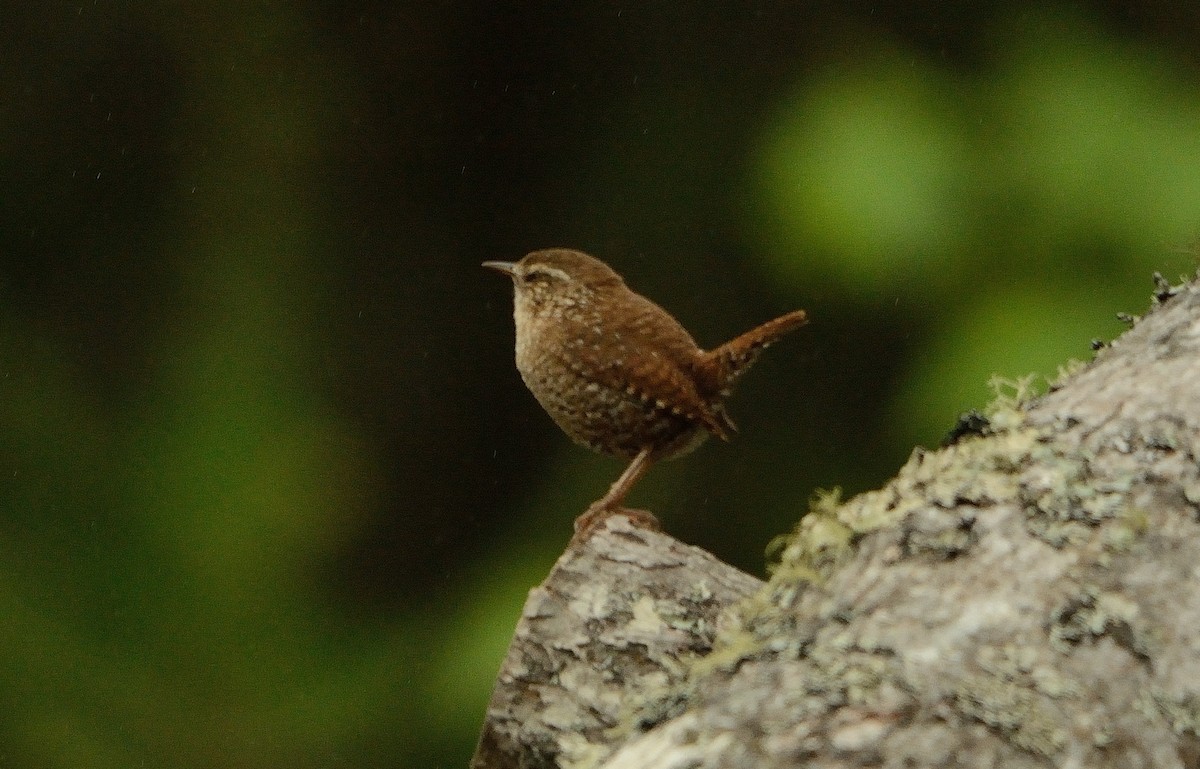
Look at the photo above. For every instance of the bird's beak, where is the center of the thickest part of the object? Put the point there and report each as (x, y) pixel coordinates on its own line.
(508, 268)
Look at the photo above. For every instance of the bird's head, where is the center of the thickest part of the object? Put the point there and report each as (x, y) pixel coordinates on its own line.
(557, 278)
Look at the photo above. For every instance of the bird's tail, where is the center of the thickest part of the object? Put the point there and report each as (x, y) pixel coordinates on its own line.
(723, 366)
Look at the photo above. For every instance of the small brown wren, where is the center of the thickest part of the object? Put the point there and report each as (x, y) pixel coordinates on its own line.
(616, 371)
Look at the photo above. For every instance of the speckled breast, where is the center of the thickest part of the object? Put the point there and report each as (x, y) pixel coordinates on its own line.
(596, 415)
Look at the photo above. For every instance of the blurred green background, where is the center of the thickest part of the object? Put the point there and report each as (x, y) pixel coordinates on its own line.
(273, 491)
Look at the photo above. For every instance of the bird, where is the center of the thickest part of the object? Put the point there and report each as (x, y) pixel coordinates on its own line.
(618, 373)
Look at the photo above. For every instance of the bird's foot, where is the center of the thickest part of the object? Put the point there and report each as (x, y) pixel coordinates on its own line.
(597, 513)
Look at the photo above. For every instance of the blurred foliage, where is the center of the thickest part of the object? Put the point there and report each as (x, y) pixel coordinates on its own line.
(274, 491)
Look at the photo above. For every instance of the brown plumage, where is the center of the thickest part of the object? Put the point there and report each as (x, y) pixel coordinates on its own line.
(617, 372)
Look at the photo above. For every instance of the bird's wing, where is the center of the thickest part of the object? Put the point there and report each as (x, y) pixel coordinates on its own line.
(646, 353)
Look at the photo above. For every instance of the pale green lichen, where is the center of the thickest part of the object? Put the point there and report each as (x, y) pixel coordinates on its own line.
(1066, 371)
(1007, 661)
(1191, 492)
(934, 499)
(1126, 530)
(819, 541)
(1024, 665)
(1181, 711)
(1054, 683)
(580, 753)
(1012, 393)
(729, 650)
(972, 471)
(1015, 710)
(1093, 613)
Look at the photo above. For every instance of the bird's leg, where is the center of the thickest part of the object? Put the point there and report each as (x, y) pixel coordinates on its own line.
(611, 502)
(620, 488)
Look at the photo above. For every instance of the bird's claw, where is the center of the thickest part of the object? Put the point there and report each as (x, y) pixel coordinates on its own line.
(599, 512)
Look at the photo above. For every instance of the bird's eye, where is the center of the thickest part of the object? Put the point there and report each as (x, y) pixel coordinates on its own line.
(535, 276)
